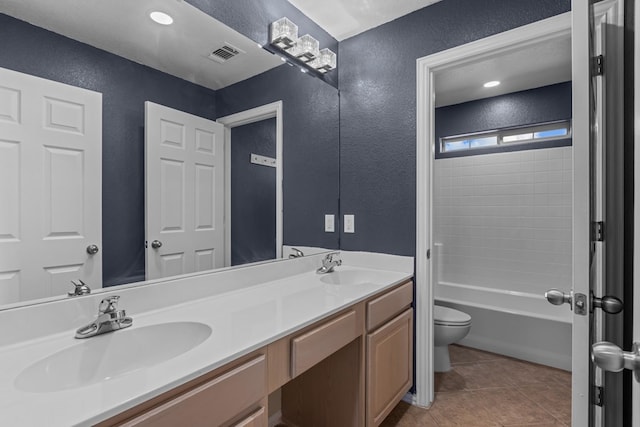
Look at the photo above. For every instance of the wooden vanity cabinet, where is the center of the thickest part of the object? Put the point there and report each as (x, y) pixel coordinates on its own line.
(234, 395)
(349, 369)
(389, 342)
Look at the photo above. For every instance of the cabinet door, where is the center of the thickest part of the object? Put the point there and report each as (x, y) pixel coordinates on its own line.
(389, 366)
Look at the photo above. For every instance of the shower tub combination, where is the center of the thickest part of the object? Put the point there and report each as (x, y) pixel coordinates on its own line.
(516, 324)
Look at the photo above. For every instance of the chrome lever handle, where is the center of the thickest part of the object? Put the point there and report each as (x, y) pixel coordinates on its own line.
(80, 288)
(609, 357)
(109, 305)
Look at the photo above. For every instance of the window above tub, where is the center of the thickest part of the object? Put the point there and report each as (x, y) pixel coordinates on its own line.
(522, 135)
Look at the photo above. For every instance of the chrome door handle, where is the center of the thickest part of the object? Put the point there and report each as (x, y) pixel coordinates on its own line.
(92, 249)
(156, 244)
(577, 302)
(611, 305)
(557, 297)
(609, 357)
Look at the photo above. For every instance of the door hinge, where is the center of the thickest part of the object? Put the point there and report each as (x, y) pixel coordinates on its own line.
(598, 395)
(597, 65)
(428, 253)
(597, 231)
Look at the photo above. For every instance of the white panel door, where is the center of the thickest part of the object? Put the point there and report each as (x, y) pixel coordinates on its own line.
(50, 187)
(184, 192)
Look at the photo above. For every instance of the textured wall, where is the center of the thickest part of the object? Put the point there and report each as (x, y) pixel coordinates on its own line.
(377, 74)
(504, 220)
(528, 107)
(252, 18)
(310, 148)
(253, 193)
(125, 86)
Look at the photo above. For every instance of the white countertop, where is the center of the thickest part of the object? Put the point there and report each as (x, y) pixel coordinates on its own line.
(242, 320)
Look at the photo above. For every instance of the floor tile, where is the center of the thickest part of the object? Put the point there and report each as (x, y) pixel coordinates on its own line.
(555, 399)
(486, 390)
(510, 407)
(483, 375)
(461, 354)
(405, 415)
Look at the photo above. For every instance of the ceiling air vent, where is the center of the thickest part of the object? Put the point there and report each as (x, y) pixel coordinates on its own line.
(224, 53)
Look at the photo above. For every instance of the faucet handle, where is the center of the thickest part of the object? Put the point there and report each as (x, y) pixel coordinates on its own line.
(80, 288)
(109, 305)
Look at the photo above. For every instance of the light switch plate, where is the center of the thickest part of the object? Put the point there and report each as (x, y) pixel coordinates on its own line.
(349, 223)
(329, 223)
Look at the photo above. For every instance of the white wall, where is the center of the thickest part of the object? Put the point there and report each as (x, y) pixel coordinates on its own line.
(504, 220)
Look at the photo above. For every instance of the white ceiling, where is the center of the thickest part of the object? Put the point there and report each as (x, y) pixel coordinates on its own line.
(536, 65)
(123, 27)
(345, 18)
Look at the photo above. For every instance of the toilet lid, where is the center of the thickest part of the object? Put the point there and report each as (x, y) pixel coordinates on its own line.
(449, 316)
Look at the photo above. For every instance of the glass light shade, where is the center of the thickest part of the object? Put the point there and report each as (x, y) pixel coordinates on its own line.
(326, 61)
(284, 33)
(306, 49)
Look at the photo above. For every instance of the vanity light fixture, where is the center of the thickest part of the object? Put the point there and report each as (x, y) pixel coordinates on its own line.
(284, 33)
(326, 61)
(306, 49)
(161, 17)
(492, 83)
(303, 50)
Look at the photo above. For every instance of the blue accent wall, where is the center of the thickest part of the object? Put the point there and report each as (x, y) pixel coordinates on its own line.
(253, 17)
(377, 74)
(125, 86)
(528, 107)
(311, 147)
(253, 193)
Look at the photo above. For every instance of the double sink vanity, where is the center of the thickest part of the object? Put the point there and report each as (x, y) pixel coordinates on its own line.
(248, 346)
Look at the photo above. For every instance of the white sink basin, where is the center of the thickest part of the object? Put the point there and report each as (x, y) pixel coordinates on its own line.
(352, 277)
(106, 356)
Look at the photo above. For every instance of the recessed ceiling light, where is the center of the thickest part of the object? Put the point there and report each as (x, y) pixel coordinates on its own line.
(492, 83)
(161, 18)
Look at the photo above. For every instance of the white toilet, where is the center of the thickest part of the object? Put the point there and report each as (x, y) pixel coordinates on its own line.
(449, 326)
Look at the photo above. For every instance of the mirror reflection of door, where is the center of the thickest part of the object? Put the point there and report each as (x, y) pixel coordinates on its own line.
(50, 187)
(253, 192)
(184, 180)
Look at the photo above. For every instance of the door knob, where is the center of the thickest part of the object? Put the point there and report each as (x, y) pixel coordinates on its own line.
(92, 249)
(557, 297)
(609, 357)
(611, 305)
(156, 244)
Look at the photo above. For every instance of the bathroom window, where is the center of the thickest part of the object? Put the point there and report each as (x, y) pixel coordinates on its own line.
(509, 136)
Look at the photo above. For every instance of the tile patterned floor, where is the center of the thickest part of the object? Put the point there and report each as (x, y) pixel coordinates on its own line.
(486, 389)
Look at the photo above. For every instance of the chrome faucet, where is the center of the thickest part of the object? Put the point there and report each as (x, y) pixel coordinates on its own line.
(297, 253)
(328, 263)
(80, 288)
(109, 319)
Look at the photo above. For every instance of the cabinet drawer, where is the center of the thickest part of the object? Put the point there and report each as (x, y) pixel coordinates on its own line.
(257, 419)
(388, 305)
(319, 343)
(213, 402)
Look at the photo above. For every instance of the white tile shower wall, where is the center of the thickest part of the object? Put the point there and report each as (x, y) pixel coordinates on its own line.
(504, 219)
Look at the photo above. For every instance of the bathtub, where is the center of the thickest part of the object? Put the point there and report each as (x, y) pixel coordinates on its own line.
(515, 324)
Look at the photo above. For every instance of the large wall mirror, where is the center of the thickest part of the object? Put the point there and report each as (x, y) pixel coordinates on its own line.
(116, 51)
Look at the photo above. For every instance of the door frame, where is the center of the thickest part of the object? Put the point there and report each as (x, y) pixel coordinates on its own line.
(636, 210)
(263, 112)
(557, 26)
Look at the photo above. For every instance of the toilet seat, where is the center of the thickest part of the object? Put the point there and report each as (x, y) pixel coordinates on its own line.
(446, 316)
